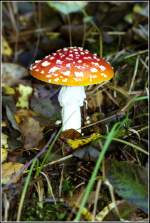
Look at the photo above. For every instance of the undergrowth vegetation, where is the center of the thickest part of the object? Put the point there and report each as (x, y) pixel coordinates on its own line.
(101, 174)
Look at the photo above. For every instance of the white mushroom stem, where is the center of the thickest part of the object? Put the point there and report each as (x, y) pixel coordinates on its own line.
(71, 99)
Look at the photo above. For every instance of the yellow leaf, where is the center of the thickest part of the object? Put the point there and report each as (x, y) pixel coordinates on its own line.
(6, 50)
(4, 144)
(8, 90)
(8, 170)
(74, 201)
(4, 155)
(85, 213)
(25, 92)
(80, 142)
(4, 141)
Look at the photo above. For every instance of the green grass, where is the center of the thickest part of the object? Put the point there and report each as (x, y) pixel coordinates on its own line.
(24, 191)
(91, 182)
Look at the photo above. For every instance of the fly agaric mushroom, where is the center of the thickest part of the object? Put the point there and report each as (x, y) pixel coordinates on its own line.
(74, 68)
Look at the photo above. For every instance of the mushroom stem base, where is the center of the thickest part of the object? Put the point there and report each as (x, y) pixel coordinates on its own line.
(71, 99)
(71, 118)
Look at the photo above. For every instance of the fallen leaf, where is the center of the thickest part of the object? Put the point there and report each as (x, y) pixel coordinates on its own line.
(4, 154)
(31, 132)
(45, 107)
(14, 140)
(25, 92)
(8, 170)
(11, 118)
(12, 73)
(6, 50)
(88, 153)
(4, 141)
(67, 7)
(8, 90)
(74, 144)
(10, 102)
(129, 181)
(70, 134)
(95, 101)
(4, 144)
(21, 114)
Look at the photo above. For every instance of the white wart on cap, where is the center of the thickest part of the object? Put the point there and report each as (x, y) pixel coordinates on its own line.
(72, 66)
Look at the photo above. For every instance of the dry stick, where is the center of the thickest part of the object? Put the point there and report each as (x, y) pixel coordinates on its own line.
(40, 192)
(106, 210)
(30, 162)
(133, 99)
(61, 181)
(96, 197)
(116, 33)
(144, 63)
(49, 186)
(111, 191)
(38, 34)
(136, 54)
(59, 160)
(100, 43)
(134, 75)
(84, 35)
(6, 207)
(70, 35)
(99, 32)
(120, 113)
(14, 24)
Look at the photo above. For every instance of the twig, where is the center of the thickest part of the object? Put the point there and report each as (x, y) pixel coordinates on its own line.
(134, 75)
(111, 191)
(38, 34)
(99, 183)
(59, 160)
(70, 34)
(6, 207)
(110, 118)
(136, 54)
(61, 181)
(49, 186)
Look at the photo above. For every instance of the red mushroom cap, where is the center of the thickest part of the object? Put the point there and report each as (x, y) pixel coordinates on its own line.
(72, 66)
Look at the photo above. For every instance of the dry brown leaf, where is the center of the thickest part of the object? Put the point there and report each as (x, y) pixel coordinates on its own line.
(95, 100)
(8, 170)
(70, 134)
(31, 132)
(12, 73)
(21, 114)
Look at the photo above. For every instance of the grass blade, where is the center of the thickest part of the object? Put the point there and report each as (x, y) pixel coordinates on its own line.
(25, 190)
(110, 136)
